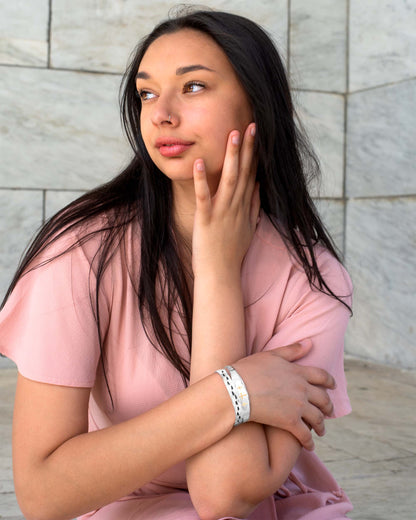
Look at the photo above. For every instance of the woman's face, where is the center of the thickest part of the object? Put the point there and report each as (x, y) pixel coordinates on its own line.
(191, 100)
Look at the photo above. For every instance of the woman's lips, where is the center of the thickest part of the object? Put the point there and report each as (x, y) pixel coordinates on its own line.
(172, 147)
(173, 150)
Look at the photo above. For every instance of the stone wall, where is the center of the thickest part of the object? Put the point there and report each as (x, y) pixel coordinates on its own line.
(353, 68)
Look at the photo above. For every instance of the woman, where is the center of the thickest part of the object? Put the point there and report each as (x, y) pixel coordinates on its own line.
(134, 296)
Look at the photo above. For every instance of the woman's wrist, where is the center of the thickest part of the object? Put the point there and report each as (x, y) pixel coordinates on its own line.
(221, 274)
(238, 393)
(221, 404)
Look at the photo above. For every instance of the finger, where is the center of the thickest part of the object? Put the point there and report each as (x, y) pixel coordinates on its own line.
(295, 351)
(318, 376)
(320, 398)
(229, 174)
(202, 193)
(247, 167)
(304, 435)
(316, 420)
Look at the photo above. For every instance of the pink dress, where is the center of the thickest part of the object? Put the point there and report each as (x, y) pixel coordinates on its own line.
(47, 327)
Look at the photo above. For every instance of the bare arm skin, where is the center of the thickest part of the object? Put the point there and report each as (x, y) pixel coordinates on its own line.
(234, 475)
(61, 471)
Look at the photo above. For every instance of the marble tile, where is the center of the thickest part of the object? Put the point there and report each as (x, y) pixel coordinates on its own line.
(323, 117)
(363, 434)
(363, 446)
(6, 475)
(381, 152)
(375, 496)
(8, 378)
(332, 215)
(380, 238)
(24, 32)
(99, 35)
(8, 503)
(21, 215)
(5, 363)
(327, 453)
(385, 396)
(5, 419)
(382, 42)
(56, 200)
(318, 40)
(9, 508)
(60, 130)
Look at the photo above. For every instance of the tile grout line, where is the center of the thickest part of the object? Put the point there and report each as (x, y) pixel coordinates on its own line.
(358, 91)
(120, 73)
(40, 188)
(383, 197)
(289, 21)
(49, 34)
(62, 69)
(324, 198)
(347, 46)
(384, 85)
(345, 155)
(43, 206)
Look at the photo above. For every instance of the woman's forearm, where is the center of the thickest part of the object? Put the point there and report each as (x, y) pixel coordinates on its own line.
(93, 469)
(218, 331)
(220, 478)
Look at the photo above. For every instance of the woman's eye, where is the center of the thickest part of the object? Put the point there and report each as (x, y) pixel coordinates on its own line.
(145, 95)
(193, 86)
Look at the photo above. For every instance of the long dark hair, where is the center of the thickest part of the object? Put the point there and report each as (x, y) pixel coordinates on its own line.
(142, 193)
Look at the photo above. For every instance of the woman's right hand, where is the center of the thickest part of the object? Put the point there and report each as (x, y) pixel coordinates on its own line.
(225, 222)
(286, 395)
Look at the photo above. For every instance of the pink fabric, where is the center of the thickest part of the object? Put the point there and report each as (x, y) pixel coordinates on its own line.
(47, 327)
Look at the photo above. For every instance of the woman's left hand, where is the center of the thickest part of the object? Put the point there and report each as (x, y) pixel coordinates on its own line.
(225, 223)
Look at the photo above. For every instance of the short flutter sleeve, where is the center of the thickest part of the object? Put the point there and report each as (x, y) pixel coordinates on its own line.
(307, 313)
(48, 326)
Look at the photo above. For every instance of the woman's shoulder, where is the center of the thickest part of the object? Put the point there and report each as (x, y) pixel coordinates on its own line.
(87, 238)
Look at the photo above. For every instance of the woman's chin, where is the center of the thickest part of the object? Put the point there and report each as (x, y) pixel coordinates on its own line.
(181, 172)
(179, 177)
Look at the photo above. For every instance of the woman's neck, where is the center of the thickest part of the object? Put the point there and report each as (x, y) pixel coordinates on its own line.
(184, 205)
(184, 209)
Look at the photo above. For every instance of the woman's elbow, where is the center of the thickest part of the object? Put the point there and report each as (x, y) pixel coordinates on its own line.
(217, 513)
(34, 509)
(214, 509)
(37, 505)
(229, 499)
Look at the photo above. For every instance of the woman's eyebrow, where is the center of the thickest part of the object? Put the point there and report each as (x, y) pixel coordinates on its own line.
(179, 71)
(191, 68)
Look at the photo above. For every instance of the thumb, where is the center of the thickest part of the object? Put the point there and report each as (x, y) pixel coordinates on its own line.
(295, 351)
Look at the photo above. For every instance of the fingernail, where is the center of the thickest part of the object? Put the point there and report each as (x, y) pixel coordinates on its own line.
(200, 166)
(235, 139)
(253, 130)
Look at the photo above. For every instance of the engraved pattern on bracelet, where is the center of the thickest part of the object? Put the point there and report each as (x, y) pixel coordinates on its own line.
(242, 393)
(233, 393)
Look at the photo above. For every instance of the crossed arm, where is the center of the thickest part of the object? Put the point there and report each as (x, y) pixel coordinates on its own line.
(252, 461)
(62, 471)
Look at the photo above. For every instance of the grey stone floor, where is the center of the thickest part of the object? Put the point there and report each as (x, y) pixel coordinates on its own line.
(372, 452)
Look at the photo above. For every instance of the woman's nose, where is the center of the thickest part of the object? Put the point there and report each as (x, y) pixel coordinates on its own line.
(164, 113)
